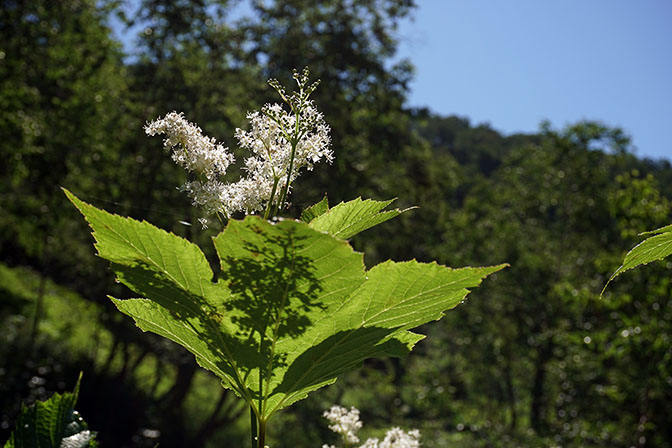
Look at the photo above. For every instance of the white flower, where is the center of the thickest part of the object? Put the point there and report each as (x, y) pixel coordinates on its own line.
(206, 195)
(370, 443)
(191, 149)
(213, 196)
(248, 195)
(344, 422)
(204, 222)
(397, 438)
(272, 133)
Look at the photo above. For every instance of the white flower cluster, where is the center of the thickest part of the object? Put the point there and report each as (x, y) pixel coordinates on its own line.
(396, 438)
(344, 422)
(272, 133)
(347, 423)
(191, 149)
(281, 144)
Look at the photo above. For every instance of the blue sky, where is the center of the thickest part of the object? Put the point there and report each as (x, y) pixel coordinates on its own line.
(514, 63)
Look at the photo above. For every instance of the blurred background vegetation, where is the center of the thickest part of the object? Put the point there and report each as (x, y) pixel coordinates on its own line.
(534, 358)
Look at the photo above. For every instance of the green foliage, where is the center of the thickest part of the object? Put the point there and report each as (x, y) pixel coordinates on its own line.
(72, 335)
(292, 308)
(514, 366)
(66, 316)
(362, 90)
(654, 248)
(347, 219)
(53, 423)
(315, 210)
(60, 83)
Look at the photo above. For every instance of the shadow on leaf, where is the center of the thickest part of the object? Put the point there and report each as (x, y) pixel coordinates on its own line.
(339, 353)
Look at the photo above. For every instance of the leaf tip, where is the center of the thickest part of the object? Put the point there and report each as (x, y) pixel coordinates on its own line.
(75, 392)
(613, 276)
(69, 194)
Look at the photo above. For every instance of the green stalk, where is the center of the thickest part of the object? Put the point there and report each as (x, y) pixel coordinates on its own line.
(295, 142)
(221, 221)
(275, 209)
(262, 434)
(270, 201)
(261, 397)
(253, 427)
(289, 172)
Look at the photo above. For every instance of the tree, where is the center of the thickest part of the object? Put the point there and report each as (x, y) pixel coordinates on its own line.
(62, 92)
(348, 45)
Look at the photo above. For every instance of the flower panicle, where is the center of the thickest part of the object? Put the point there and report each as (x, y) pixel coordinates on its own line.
(280, 143)
(297, 98)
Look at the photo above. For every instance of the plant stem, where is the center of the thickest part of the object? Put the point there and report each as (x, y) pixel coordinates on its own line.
(262, 434)
(270, 201)
(221, 221)
(289, 173)
(253, 427)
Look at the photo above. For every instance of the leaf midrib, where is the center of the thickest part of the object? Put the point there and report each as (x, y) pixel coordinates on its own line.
(269, 373)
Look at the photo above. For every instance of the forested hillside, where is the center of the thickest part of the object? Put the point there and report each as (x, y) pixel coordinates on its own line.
(533, 358)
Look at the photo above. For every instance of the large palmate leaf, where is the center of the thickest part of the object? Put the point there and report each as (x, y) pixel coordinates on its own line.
(291, 309)
(347, 219)
(52, 424)
(651, 249)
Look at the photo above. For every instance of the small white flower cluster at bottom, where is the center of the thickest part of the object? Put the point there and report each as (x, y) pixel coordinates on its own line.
(347, 423)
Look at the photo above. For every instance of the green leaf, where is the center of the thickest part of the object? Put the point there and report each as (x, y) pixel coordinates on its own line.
(175, 274)
(52, 424)
(292, 307)
(350, 218)
(315, 210)
(374, 321)
(651, 249)
(658, 231)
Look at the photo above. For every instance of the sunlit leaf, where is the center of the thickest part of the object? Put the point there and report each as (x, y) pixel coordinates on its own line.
(654, 248)
(350, 218)
(291, 308)
(315, 210)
